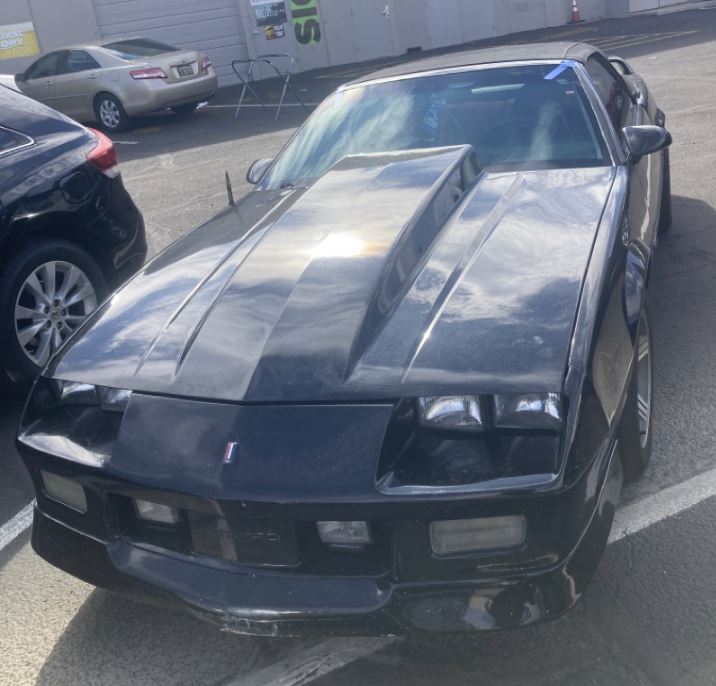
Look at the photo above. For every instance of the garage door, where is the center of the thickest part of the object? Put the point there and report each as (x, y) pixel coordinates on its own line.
(212, 26)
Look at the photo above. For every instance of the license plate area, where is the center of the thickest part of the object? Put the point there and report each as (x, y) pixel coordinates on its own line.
(261, 542)
(185, 70)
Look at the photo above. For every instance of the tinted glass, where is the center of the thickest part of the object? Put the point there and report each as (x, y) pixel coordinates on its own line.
(528, 117)
(45, 66)
(79, 60)
(138, 47)
(611, 92)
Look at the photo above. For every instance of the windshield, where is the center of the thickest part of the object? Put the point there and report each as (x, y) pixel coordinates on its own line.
(521, 117)
(138, 47)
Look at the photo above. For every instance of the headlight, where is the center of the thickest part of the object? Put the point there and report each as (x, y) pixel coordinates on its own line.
(456, 412)
(78, 393)
(529, 411)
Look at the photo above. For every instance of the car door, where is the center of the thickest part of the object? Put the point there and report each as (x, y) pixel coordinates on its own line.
(38, 81)
(76, 84)
(645, 175)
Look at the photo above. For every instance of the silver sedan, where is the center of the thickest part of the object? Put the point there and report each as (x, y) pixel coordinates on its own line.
(113, 81)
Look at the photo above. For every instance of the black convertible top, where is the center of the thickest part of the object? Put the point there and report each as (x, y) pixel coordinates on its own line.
(579, 52)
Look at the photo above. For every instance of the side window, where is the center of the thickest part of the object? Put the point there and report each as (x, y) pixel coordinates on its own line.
(79, 60)
(45, 66)
(611, 92)
(12, 140)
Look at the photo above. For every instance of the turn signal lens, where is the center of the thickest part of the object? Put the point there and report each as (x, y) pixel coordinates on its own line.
(477, 535)
(345, 534)
(154, 512)
(76, 393)
(461, 412)
(529, 411)
(205, 63)
(65, 491)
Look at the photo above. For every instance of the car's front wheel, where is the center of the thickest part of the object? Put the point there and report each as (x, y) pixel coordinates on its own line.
(110, 113)
(47, 290)
(635, 431)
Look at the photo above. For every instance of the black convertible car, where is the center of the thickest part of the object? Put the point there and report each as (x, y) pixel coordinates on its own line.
(399, 384)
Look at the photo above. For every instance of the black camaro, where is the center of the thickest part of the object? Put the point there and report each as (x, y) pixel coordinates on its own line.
(69, 231)
(399, 384)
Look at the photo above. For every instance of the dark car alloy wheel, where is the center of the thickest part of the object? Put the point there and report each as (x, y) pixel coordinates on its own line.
(635, 432)
(46, 291)
(53, 301)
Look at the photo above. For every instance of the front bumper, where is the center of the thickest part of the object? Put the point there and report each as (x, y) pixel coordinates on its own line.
(251, 600)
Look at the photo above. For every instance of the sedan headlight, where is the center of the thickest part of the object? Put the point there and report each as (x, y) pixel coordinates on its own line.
(529, 411)
(454, 412)
(78, 393)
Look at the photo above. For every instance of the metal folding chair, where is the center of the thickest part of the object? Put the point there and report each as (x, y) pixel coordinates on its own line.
(246, 77)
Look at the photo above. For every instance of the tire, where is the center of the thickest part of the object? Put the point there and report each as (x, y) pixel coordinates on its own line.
(110, 114)
(185, 109)
(23, 357)
(665, 216)
(635, 430)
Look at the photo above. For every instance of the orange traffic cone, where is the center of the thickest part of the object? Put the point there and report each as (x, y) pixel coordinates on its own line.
(576, 16)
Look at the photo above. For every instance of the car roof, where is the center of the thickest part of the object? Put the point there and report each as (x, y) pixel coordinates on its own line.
(579, 52)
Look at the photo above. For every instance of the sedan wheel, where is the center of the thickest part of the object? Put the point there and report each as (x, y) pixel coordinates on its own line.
(635, 431)
(110, 113)
(53, 301)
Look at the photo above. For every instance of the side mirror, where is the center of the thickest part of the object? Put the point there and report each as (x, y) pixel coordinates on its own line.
(257, 170)
(621, 65)
(645, 140)
(20, 77)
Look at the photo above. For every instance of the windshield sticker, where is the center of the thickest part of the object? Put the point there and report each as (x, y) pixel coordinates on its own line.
(432, 118)
(567, 64)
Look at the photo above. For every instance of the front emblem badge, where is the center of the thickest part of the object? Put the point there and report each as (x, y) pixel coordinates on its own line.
(230, 452)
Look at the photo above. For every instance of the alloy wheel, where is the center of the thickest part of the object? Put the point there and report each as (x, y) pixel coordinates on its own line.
(109, 113)
(644, 374)
(52, 303)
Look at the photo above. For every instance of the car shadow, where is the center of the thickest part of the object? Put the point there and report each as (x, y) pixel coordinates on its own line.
(682, 282)
(113, 640)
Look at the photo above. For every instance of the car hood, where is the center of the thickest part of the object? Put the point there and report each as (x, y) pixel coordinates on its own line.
(384, 279)
(8, 80)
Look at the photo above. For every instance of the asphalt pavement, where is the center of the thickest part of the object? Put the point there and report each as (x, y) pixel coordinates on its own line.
(648, 617)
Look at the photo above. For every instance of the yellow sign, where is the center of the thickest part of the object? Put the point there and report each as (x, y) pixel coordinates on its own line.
(18, 40)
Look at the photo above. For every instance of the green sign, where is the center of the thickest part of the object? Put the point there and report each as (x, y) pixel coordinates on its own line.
(306, 21)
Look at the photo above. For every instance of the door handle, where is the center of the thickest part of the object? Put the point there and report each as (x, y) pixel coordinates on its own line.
(48, 82)
(92, 76)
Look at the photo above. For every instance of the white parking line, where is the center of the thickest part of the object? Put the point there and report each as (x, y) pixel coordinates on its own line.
(14, 527)
(662, 505)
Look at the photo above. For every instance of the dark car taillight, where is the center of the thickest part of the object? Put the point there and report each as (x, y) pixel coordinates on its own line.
(103, 156)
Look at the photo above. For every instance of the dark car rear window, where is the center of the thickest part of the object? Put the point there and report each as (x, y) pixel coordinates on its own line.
(12, 140)
(138, 47)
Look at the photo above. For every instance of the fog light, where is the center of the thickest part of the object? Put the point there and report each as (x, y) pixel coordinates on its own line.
(154, 512)
(345, 534)
(475, 535)
(65, 491)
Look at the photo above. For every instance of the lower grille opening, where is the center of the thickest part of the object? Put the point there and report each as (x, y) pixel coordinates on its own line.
(290, 545)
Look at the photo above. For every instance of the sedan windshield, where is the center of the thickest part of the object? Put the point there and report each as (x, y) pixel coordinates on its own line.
(520, 117)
